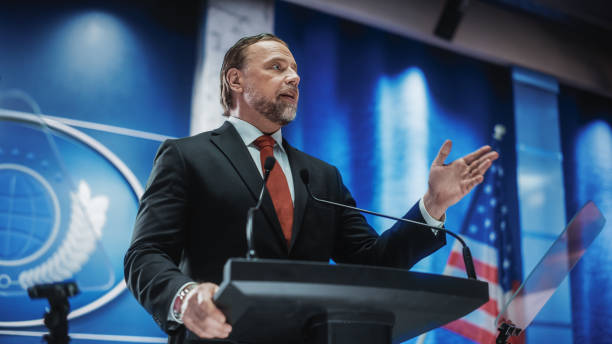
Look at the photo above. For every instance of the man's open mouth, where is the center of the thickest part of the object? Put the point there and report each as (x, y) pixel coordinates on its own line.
(290, 96)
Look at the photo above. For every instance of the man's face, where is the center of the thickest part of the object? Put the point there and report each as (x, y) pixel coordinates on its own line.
(271, 81)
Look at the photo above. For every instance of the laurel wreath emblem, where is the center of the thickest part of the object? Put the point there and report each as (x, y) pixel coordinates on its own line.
(88, 216)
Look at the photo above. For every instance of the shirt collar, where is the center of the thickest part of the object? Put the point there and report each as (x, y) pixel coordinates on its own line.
(249, 133)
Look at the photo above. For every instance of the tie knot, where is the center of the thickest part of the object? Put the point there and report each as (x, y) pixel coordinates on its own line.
(264, 141)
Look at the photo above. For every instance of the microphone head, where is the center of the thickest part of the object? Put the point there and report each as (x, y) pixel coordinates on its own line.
(305, 176)
(269, 163)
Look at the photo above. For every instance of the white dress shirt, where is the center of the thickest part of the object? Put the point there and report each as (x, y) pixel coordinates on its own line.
(249, 133)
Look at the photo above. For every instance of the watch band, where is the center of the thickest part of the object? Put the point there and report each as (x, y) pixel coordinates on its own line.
(177, 304)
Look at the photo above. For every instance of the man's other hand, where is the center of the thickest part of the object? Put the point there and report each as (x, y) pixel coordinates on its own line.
(449, 183)
(202, 317)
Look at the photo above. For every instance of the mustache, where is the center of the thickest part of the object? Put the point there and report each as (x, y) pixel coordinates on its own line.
(292, 89)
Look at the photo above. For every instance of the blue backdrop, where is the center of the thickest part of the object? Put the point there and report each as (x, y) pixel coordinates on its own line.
(379, 106)
(114, 68)
(586, 125)
(375, 104)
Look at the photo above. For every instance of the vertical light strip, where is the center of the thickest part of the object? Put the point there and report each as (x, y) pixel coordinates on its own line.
(226, 22)
(540, 188)
(402, 131)
(593, 157)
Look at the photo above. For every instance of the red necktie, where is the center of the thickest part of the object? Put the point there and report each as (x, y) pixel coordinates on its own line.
(277, 186)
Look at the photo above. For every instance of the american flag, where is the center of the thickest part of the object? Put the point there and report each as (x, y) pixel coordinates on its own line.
(496, 256)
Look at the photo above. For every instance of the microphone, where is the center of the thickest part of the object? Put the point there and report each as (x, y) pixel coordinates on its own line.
(268, 166)
(467, 255)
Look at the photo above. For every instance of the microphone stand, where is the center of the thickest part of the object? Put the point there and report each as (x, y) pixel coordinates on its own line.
(56, 318)
(467, 255)
(268, 166)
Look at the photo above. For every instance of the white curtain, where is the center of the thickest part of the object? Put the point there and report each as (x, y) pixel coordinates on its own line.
(226, 22)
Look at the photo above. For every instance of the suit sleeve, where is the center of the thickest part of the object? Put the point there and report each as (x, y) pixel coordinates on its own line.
(151, 262)
(401, 246)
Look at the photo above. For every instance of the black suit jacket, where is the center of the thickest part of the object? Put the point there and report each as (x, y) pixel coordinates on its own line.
(192, 218)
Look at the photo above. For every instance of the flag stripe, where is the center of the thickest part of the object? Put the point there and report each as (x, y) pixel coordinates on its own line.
(483, 269)
(482, 319)
(450, 270)
(471, 331)
(490, 307)
(478, 248)
(494, 253)
(497, 296)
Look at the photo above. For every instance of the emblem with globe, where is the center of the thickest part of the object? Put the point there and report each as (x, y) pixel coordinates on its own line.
(29, 219)
(55, 189)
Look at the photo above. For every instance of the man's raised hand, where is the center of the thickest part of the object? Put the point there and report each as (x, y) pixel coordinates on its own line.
(449, 183)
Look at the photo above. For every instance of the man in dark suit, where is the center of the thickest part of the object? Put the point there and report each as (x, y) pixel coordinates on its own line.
(192, 215)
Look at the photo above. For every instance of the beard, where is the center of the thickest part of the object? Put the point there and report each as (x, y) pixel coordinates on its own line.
(279, 111)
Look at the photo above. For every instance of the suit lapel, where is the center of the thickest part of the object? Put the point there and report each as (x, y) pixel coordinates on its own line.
(227, 139)
(299, 190)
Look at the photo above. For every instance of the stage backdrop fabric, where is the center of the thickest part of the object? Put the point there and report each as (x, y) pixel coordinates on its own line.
(118, 75)
(379, 106)
(586, 126)
(375, 104)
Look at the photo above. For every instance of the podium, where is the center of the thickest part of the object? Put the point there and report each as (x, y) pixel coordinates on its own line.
(297, 302)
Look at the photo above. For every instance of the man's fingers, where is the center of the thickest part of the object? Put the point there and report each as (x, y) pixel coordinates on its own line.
(195, 327)
(478, 165)
(472, 182)
(218, 329)
(481, 168)
(207, 309)
(215, 313)
(202, 317)
(208, 328)
(207, 323)
(443, 153)
(470, 158)
(198, 311)
(492, 155)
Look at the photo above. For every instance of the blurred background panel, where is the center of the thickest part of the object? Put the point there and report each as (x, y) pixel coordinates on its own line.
(120, 76)
(383, 84)
(586, 125)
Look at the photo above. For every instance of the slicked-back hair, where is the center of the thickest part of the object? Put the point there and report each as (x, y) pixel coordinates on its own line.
(235, 58)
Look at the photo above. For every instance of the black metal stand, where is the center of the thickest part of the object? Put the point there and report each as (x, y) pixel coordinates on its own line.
(506, 330)
(56, 319)
(349, 328)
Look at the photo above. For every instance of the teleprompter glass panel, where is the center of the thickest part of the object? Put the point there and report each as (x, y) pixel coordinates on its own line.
(556, 264)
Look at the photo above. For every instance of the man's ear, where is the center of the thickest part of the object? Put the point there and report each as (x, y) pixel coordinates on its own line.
(234, 79)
